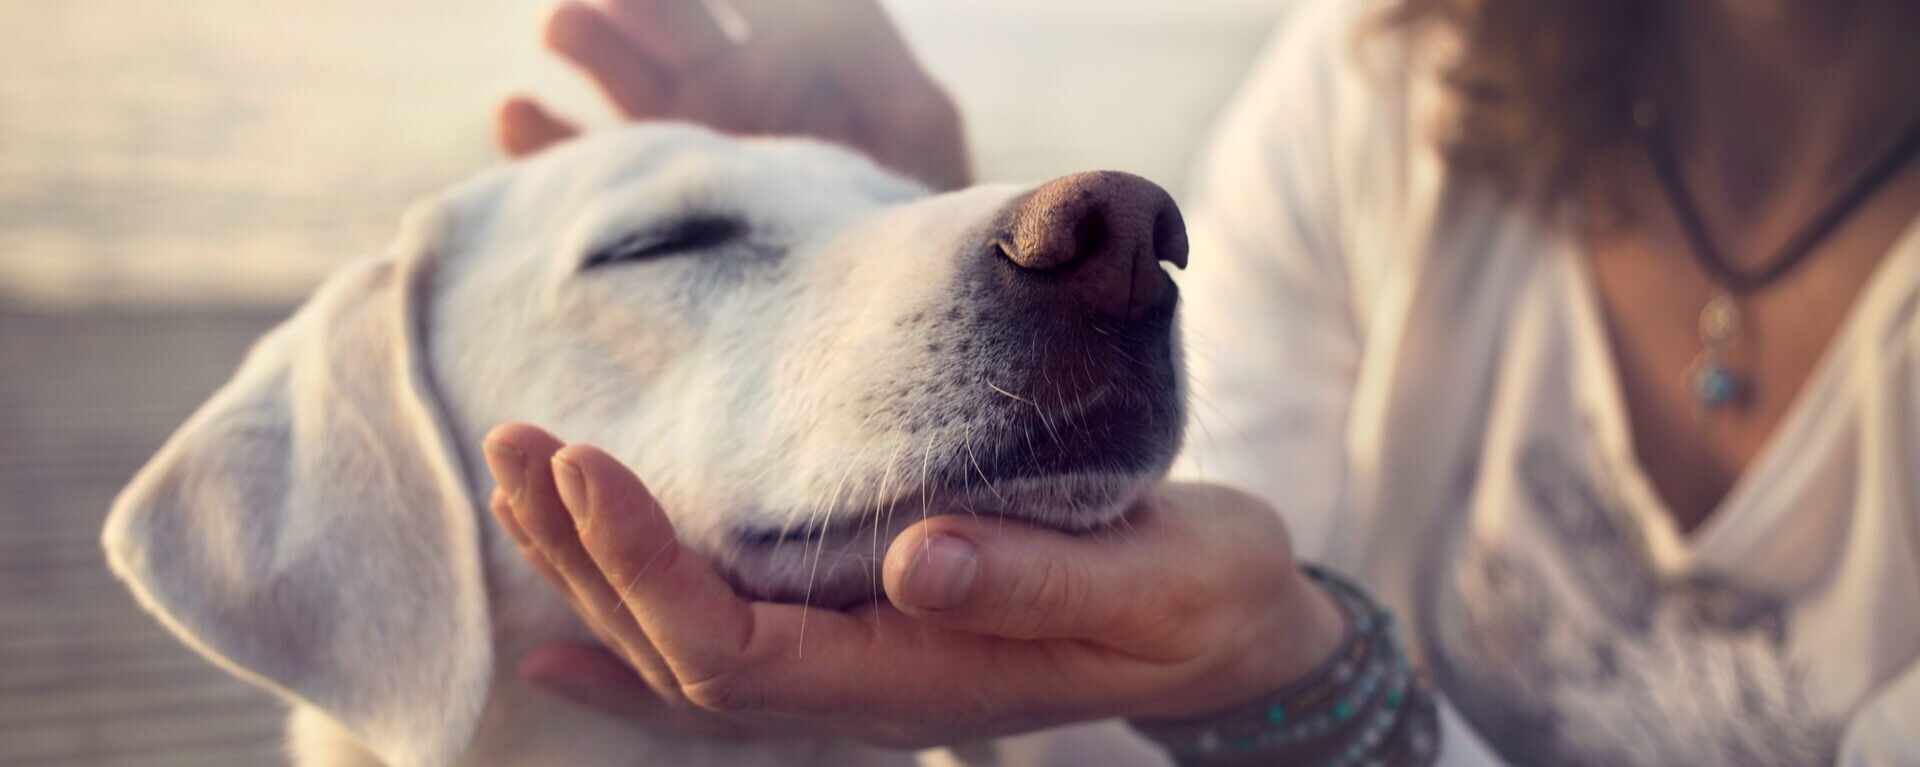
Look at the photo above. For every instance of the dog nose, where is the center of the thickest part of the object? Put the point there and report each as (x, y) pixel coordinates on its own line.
(1097, 239)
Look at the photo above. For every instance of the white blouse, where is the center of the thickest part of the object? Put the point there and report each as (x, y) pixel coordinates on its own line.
(1415, 373)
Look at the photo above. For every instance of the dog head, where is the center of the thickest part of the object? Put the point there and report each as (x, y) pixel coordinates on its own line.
(792, 346)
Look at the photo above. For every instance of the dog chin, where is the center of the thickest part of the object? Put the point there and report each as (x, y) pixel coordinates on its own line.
(835, 563)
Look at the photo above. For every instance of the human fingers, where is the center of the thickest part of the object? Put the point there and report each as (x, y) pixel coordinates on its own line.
(1200, 591)
(675, 33)
(523, 127)
(907, 120)
(502, 510)
(588, 675)
(923, 138)
(521, 459)
(672, 592)
(584, 35)
(743, 657)
(501, 507)
(886, 677)
(817, 108)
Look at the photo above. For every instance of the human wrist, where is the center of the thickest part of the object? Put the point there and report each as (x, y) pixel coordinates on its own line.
(1312, 630)
(1301, 632)
(1362, 704)
(1318, 629)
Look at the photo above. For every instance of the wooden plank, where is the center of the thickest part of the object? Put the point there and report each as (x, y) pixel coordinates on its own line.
(86, 676)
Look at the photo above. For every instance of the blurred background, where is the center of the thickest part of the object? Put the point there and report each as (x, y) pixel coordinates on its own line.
(175, 176)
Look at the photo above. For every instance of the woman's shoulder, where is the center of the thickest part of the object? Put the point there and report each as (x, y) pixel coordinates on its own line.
(1313, 160)
(1326, 67)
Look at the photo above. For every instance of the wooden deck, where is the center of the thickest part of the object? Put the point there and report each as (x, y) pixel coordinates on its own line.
(86, 677)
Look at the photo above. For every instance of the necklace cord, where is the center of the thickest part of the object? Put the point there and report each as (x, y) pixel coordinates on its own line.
(1667, 167)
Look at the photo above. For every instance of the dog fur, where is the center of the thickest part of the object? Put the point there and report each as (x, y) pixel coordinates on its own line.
(826, 354)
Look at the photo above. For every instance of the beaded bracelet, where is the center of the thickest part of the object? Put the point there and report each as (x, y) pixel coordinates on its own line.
(1364, 706)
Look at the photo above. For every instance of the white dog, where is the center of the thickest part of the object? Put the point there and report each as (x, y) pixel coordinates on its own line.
(786, 341)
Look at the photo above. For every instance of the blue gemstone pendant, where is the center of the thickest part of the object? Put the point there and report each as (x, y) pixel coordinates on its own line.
(1710, 380)
(1714, 386)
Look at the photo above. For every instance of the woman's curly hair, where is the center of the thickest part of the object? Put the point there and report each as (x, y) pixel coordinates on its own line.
(1540, 88)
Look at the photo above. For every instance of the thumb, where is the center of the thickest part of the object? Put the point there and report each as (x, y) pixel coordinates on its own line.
(1010, 579)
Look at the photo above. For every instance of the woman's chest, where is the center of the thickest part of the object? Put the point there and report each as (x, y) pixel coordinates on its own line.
(1709, 371)
(1570, 617)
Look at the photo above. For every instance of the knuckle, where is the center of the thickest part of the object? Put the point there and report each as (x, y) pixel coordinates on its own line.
(598, 540)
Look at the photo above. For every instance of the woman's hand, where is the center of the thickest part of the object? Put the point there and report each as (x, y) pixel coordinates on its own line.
(993, 627)
(831, 69)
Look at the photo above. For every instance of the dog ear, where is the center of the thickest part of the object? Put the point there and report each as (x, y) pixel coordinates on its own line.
(309, 529)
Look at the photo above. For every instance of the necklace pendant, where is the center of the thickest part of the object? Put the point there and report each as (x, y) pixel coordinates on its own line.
(1720, 322)
(1710, 380)
(1713, 385)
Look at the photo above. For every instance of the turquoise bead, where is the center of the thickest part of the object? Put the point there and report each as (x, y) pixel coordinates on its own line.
(1342, 710)
(1276, 715)
(1714, 386)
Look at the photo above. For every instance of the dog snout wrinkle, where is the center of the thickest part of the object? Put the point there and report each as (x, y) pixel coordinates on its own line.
(1096, 240)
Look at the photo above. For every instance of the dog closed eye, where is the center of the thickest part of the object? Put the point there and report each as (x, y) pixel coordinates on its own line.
(691, 234)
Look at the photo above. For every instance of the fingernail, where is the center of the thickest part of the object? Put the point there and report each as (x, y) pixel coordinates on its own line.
(573, 487)
(942, 574)
(509, 468)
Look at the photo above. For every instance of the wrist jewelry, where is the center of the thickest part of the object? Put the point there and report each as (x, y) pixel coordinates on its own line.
(1364, 706)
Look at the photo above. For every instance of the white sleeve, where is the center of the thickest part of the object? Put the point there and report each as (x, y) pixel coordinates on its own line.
(1271, 338)
(1293, 195)
(1886, 730)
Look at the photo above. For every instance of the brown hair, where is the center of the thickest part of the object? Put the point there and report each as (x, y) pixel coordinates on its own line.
(1542, 90)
